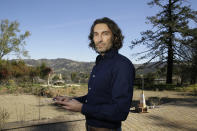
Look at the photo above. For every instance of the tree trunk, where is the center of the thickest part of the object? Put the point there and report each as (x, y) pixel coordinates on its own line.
(169, 64)
(170, 47)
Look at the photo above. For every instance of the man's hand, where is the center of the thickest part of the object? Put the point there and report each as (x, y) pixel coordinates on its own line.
(62, 98)
(72, 105)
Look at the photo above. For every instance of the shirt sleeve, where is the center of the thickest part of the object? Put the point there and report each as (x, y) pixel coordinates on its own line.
(81, 98)
(122, 93)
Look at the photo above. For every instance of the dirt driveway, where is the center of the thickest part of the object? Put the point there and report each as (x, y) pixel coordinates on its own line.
(176, 111)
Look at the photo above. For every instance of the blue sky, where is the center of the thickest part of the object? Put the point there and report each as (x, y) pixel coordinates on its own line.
(60, 28)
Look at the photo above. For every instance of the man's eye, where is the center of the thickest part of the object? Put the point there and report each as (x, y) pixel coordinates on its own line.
(95, 34)
(105, 33)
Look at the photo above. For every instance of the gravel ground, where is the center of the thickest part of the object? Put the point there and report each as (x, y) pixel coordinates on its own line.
(172, 111)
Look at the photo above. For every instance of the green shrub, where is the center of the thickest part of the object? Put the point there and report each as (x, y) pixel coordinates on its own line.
(11, 86)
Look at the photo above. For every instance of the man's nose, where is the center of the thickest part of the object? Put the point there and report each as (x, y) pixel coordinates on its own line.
(100, 38)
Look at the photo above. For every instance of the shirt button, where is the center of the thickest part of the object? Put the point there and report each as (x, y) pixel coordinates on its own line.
(93, 76)
(86, 101)
(89, 88)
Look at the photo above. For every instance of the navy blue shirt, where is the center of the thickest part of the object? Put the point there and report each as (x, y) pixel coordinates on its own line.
(110, 91)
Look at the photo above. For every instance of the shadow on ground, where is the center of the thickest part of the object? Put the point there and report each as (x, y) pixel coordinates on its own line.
(160, 121)
(34, 126)
(53, 127)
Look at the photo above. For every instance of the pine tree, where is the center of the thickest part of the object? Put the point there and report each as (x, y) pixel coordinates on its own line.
(164, 40)
(191, 41)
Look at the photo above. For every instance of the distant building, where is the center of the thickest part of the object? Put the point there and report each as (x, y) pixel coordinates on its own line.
(59, 81)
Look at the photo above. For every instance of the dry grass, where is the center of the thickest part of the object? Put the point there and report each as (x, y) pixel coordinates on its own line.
(4, 115)
(34, 107)
(47, 91)
(192, 89)
(23, 106)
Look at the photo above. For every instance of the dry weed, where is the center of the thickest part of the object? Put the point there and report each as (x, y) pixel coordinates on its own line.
(4, 115)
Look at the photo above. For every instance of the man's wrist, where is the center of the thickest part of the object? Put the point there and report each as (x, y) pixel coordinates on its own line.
(81, 107)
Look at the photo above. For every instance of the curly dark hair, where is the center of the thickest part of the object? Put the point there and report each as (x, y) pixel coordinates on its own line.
(117, 39)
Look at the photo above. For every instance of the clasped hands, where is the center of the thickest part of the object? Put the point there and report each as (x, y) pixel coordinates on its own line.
(68, 103)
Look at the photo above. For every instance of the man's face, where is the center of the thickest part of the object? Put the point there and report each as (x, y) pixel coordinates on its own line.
(102, 38)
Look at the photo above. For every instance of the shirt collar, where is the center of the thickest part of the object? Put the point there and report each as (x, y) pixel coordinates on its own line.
(108, 54)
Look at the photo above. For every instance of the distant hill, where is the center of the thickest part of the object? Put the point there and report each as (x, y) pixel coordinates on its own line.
(61, 65)
(66, 66)
(151, 67)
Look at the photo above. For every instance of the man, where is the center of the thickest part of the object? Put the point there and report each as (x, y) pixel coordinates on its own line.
(110, 87)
